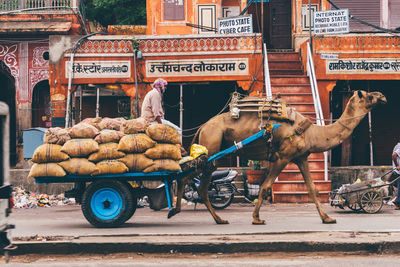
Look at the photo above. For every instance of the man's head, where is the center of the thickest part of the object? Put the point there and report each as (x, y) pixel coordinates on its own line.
(160, 84)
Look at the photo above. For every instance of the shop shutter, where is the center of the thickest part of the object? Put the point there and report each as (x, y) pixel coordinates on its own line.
(174, 10)
(366, 10)
(394, 13)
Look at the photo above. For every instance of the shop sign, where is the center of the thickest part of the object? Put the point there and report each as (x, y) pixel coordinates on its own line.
(99, 69)
(363, 66)
(331, 22)
(197, 67)
(235, 25)
(329, 56)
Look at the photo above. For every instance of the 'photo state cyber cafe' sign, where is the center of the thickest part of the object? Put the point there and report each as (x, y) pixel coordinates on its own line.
(197, 67)
(99, 69)
(331, 22)
(235, 25)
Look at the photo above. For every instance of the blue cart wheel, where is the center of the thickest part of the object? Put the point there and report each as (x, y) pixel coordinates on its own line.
(108, 203)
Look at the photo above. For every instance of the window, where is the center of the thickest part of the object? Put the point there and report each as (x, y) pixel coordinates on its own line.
(174, 10)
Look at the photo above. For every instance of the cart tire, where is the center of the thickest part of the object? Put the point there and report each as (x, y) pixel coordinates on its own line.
(107, 204)
(355, 207)
(371, 201)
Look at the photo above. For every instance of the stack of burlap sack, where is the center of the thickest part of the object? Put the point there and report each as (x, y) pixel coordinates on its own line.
(107, 146)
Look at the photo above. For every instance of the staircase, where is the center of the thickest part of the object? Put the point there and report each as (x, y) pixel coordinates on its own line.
(290, 80)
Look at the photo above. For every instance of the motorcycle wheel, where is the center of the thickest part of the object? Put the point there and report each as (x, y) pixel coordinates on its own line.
(221, 196)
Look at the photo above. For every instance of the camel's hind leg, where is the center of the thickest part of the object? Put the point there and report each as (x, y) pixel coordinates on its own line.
(302, 163)
(203, 191)
(276, 169)
(181, 186)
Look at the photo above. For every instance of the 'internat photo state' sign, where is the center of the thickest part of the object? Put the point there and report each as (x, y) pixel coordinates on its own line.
(235, 25)
(331, 22)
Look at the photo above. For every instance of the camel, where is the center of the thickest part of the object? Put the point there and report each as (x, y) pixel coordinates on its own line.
(287, 145)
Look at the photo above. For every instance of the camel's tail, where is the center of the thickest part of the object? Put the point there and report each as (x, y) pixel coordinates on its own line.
(195, 136)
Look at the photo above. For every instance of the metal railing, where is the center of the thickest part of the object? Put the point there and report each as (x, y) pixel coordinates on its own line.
(317, 102)
(268, 90)
(31, 5)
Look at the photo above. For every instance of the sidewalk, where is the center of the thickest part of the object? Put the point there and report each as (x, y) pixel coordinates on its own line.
(289, 228)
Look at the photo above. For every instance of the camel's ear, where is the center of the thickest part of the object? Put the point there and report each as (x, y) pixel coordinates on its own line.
(360, 95)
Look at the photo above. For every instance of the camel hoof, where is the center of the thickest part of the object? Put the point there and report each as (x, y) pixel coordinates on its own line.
(222, 221)
(258, 222)
(328, 220)
(172, 213)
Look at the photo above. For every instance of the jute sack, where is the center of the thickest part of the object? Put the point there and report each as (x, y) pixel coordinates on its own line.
(163, 165)
(78, 166)
(49, 153)
(106, 151)
(138, 125)
(93, 121)
(164, 151)
(111, 123)
(135, 143)
(110, 167)
(56, 135)
(108, 136)
(80, 147)
(163, 133)
(83, 130)
(46, 169)
(136, 162)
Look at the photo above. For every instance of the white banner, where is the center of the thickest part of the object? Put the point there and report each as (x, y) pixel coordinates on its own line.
(331, 22)
(363, 66)
(197, 67)
(99, 69)
(235, 25)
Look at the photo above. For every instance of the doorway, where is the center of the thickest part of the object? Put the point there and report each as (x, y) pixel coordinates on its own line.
(7, 95)
(277, 22)
(41, 110)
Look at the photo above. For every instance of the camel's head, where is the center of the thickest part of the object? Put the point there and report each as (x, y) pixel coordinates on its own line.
(368, 100)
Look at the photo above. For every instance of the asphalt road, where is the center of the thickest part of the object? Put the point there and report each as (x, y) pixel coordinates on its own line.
(280, 218)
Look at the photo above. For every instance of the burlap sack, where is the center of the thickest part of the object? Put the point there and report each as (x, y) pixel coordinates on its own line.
(49, 153)
(83, 130)
(46, 169)
(111, 123)
(163, 165)
(108, 136)
(78, 166)
(80, 147)
(56, 135)
(163, 133)
(138, 125)
(136, 162)
(135, 143)
(110, 167)
(93, 121)
(164, 151)
(106, 151)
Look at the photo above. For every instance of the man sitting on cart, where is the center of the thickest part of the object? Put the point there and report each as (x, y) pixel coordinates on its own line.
(396, 172)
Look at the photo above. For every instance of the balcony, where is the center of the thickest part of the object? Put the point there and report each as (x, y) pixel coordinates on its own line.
(41, 6)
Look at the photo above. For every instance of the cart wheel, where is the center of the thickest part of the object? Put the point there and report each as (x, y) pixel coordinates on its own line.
(108, 203)
(355, 207)
(371, 201)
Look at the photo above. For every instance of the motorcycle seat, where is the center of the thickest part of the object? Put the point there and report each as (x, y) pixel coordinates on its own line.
(220, 174)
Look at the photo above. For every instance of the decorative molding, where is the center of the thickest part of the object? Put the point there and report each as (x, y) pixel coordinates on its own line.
(36, 76)
(8, 53)
(37, 60)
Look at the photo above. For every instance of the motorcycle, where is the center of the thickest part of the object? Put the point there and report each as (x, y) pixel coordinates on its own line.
(220, 192)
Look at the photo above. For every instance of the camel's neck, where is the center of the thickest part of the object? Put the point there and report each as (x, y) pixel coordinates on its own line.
(327, 137)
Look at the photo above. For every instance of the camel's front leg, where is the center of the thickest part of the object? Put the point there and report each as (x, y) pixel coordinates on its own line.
(275, 170)
(302, 163)
(203, 191)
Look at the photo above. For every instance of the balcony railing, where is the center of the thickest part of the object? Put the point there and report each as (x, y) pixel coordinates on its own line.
(38, 5)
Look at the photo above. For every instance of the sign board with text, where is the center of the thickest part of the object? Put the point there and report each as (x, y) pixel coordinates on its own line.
(331, 22)
(235, 25)
(99, 69)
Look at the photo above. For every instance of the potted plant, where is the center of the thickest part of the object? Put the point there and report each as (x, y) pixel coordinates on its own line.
(256, 174)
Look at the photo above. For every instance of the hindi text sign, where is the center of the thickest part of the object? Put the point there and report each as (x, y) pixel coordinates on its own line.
(235, 25)
(99, 69)
(331, 22)
(363, 66)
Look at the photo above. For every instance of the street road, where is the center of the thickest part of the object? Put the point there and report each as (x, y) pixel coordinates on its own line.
(69, 221)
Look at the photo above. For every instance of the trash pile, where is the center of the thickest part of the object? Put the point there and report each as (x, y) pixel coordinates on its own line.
(107, 146)
(24, 199)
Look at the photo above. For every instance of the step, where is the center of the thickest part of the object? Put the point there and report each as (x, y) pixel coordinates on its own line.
(299, 186)
(288, 175)
(291, 56)
(285, 80)
(285, 72)
(303, 107)
(296, 98)
(298, 197)
(312, 164)
(285, 65)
